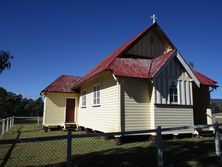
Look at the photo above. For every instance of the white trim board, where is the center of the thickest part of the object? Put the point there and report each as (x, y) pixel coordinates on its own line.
(187, 68)
(183, 63)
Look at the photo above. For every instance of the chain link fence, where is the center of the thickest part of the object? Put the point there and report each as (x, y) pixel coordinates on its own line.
(26, 146)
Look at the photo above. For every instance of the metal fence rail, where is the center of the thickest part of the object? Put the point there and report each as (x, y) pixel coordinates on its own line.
(68, 143)
(8, 123)
(28, 119)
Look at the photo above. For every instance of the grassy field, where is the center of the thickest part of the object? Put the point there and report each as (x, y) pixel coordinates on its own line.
(102, 152)
(218, 119)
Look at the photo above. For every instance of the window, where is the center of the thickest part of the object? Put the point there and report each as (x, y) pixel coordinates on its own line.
(96, 95)
(173, 92)
(84, 98)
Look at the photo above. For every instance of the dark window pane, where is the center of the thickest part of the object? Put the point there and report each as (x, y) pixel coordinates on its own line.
(175, 99)
(98, 101)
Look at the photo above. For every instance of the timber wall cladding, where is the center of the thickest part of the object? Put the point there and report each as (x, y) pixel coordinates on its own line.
(173, 71)
(151, 45)
(106, 116)
(170, 116)
(55, 107)
(136, 101)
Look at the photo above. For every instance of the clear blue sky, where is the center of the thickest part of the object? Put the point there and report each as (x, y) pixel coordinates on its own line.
(52, 37)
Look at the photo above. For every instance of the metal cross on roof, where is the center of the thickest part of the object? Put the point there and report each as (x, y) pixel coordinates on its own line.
(154, 18)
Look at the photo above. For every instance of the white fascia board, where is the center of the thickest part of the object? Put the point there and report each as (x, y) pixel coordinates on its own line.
(187, 68)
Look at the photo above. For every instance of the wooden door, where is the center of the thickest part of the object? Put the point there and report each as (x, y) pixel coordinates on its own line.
(70, 110)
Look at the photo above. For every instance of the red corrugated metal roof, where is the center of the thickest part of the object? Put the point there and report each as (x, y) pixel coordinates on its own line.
(204, 80)
(136, 67)
(62, 84)
(104, 65)
(139, 67)
(131, 67)
(148, 68)
(158, 62)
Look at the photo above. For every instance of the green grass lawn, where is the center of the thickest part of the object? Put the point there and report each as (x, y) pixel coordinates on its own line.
(218, 119)
(101, 152)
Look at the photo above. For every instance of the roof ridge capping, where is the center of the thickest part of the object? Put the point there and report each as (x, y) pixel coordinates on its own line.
(107, 62)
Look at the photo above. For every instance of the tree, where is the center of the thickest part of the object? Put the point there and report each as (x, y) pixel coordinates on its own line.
(191, 64)
(5, 58)
(12, 104)
(215, 108)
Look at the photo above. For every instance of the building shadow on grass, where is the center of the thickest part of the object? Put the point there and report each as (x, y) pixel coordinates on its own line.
(176, 153)
(8, 154)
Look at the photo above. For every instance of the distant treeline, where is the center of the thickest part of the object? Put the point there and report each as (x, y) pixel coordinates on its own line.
(216, 105)
(16, 105)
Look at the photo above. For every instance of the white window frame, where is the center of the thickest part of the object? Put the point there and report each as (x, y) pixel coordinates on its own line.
(178, 91)
(96, 95)
(83, 98)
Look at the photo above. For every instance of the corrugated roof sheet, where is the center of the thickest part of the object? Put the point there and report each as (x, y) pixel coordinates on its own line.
(123, 66)
(139, 67)
(104, 65)
(131, 67)
(64, 84)
(158, 62)
(204, 80)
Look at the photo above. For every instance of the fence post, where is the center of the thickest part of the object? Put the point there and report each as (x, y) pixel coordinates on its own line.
(13, 120)
(6, 129)
(3, 126)
(10, 122)
(69, 149)
(159, 147)
(217, 139)
(38, 120)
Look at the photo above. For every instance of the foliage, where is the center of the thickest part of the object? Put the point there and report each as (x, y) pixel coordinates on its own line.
(216, 105)
(15, 105)
(5, 58)
(191, 64)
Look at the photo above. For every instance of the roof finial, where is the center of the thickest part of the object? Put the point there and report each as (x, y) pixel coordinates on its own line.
(154, 18)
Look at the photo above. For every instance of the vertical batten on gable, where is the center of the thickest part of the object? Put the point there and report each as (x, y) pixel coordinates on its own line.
(173, 71)
(185, 92)
(182, 93)
(188, 92)
(191, 93)
(151, 45)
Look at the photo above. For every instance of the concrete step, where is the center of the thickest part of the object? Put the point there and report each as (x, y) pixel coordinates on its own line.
(70, 126)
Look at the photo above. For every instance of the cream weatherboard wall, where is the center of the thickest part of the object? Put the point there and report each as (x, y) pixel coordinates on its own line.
(171, 115)
(55, 108)
(104, 117)
(136, 106)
